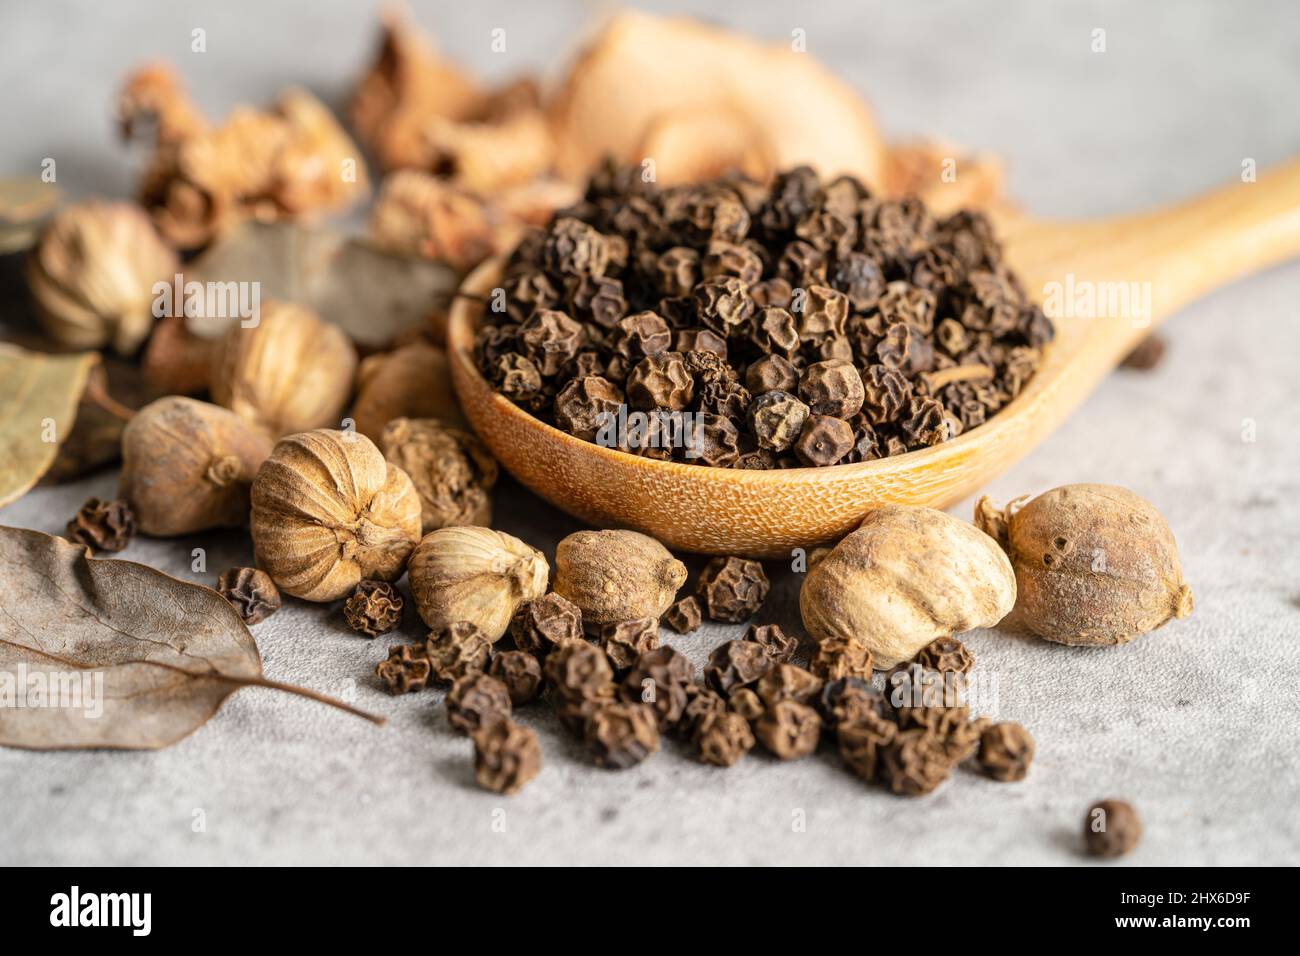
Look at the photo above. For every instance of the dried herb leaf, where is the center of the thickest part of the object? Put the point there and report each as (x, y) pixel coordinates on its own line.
(38, 403)
(154, 655)
(370, 294)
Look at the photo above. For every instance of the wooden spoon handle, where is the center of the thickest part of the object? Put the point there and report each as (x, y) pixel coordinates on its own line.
(1113, 280)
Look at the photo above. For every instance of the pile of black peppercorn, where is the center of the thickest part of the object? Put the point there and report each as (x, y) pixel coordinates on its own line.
(801, 323)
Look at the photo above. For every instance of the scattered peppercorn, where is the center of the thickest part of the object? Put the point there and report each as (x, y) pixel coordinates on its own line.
(1005, 751)
(914, 762)
(732, 589)
(849, 699)
(374, 608)
(787, 682)
(624, 642)
(736, 664)
(476, 700)
(947, 655)
(579, 671)
(836, 659)
(457, 650)
(660, 678)
(539, 626)
(1111, 828)
(722, 738)
(746, 702)
(1146, 355)
(251, 592)
(664, 296)
(506, 756)
(103, 525)
(789, 729)
(861, 740)
(684, 616)
(406, 670)
(699, 702)
(621, 735)
(520, 672)
(779, 645)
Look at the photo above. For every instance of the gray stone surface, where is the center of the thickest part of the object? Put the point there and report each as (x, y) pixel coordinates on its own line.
(1196, 724)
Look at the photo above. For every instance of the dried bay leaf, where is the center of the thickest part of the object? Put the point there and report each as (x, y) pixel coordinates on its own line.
(38, 404)
(371, 294)
(155, 656)
(25, 203)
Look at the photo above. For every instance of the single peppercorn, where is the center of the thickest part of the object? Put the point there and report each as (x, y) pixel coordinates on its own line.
(251, 592)
(684, 616)
(787, 682)
(861, 740)
(406, 670)
(476, 700)
(102, 525)
(732, 589)
(776, 420)
(457, 650)
(779, 645)
(721, 738)
(946, 655)
(736, 664)
(746, 702)
(521, 674)
(849, 699)
(625, 641)
(832, 388)
(914, 762)
(578, 671)
(771, 373)
(1111, 828)
(506, 756)
(699, 702)
(789, 729)
(836, 659)
(621, 735)
(823, 441)
(541, 625)
(1005, 751)
(374, 608)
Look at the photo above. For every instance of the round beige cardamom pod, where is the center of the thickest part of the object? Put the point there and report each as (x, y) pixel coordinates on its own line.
(1095, 564)
(187, 466)
(93, 274)
(451, 470)
(907, 576)
(476, 575)
(290, 372)
(330, 511)
(615, 576)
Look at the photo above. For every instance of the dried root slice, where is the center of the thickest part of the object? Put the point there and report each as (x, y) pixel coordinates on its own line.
(699, 144)
(641, 69)
(943, 177)
(283, 163)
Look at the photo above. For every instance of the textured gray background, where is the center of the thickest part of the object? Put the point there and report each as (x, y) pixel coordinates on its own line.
(1197, 724)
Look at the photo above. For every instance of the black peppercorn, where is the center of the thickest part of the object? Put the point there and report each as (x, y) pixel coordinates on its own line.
(1111, 828)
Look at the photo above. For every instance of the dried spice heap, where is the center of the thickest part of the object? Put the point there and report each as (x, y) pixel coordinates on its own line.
(805, 323)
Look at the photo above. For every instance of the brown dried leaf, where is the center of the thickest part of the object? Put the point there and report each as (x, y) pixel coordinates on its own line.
(157, 656)
(371, 294)
(38, 403)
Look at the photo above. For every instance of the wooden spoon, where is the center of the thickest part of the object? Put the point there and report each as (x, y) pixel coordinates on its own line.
(1155, 262)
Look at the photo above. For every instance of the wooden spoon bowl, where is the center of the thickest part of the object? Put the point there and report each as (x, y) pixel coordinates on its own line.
(1106, 285)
